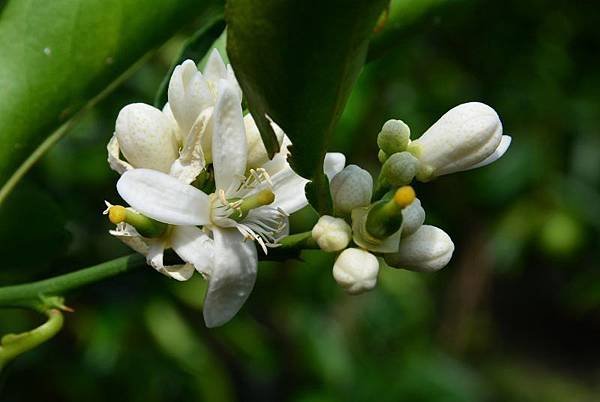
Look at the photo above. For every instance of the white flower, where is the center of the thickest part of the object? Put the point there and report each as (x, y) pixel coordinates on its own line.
(245, 206)
(356, 270)
(426, 250)
(466, 137)
(332, 234)
(351, 187)
(178, 138)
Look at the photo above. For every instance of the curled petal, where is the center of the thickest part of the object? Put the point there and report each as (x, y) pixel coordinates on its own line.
(114, 159)
(191, 159)
(155, 256)
(497, 154)
(164, 198)
(362, 238)
(232, 277)
(130, 237)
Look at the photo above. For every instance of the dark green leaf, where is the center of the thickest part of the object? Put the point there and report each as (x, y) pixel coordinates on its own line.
(296, 62)
(58, 54)
(194, 49)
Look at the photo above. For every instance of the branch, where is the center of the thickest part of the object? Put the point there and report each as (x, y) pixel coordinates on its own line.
(32, 295)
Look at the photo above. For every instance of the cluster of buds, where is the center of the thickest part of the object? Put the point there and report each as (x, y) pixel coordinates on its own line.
(385, 219)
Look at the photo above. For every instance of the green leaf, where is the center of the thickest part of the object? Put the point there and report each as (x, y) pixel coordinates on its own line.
(297, 61)
(58, 54)
(195, 48)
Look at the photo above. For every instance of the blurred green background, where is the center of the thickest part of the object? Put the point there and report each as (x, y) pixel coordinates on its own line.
(514, 317)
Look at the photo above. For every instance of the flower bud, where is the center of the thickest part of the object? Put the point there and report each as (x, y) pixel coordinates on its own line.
(257, 153)
(356, 270)
(428, 249)
(466, 137)
(146, 137)
(332, 234)
(400, 168)
(393, 137)
(351, 188)
(413, 217)
(189, 94)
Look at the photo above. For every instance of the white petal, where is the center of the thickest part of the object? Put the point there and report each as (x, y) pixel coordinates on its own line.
(228, 139)
(413, 218)
(146, 137)
(215, 69)
(129, 236)
(114, 160)
(189, 94)
(154, 258)
(169, 114)
(164, 198)
(191, 159)
(333, 164)
(257, 153)
(193, 246)
(497, 154)
(232, 278)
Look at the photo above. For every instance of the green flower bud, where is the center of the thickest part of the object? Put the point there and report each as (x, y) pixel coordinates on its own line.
(393, 137)
(400, 168)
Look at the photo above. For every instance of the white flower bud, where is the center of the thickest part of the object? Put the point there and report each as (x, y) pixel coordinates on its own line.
(351, 188)
(428, 249)
(400, 168)
(393, 137)
(332, 234)
(413, 217)
(257, 153)
(146, 137)
(189, 94)
(466, 137)
(356, 270)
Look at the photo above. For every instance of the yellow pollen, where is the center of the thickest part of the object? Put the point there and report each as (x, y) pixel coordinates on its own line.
(116, 214)
(404, 196)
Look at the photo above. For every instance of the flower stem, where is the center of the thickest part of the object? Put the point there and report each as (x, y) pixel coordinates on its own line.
(32, 295)
(12, 345)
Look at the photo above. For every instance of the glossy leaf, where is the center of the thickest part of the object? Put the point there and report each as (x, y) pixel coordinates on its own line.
(296, 62)
(58, 54)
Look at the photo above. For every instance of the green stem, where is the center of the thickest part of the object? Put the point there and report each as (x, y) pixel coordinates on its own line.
(13, 345)
(35, 295)
(31, 295)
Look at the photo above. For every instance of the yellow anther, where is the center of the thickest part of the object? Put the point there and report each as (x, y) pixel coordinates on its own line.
(404, 196)
(117, 214)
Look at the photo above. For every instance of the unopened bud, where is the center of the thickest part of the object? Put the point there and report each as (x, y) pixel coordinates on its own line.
(351, 188)
(146, 137)
(356, 270)
(332, 234)
(400, 168)
(428, 249)
(393, 137)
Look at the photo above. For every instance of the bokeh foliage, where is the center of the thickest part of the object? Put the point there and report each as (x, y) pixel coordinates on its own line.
(514, 317)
